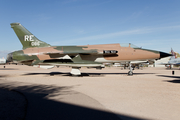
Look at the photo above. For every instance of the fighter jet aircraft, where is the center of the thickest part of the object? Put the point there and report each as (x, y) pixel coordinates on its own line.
(173, 60)
(38, 53)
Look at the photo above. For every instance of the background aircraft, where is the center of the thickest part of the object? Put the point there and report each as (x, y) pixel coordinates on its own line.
(38, 53)
(2, 61)
(173, 60)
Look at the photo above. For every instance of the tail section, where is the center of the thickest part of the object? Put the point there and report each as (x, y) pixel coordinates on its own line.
(26, 38)
(173, 54)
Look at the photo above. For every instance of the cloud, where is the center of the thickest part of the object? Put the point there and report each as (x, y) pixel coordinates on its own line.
(109, 35)
(122, 33)
(166, 28)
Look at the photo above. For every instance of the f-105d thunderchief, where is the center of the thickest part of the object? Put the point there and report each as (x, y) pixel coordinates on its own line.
(38, 53)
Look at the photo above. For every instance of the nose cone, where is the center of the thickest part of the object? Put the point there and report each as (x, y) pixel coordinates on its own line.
(163, 54)
(10, 57)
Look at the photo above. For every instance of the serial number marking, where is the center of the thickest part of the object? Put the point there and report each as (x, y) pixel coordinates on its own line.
(29, 38)
(110, 51)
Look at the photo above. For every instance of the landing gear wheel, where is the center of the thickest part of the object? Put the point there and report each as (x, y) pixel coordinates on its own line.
(130, 73)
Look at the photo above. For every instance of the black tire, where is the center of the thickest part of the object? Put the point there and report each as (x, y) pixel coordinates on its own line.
(130, 73)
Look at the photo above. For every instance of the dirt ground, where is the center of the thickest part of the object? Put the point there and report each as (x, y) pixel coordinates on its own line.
(151, 93)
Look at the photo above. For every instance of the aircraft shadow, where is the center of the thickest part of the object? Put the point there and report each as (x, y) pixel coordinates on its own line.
(41, 108)
(173, 68)
(3, 76)
(82, 74)
(9, 69)
(176, 80)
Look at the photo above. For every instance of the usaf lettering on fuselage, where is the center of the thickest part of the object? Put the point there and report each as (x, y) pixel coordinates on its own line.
(30, 38)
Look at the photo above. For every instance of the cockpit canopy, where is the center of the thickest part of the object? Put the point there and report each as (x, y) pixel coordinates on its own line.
(128, 44)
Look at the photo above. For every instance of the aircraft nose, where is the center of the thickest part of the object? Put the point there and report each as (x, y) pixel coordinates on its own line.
(10, 57)
(163, 54)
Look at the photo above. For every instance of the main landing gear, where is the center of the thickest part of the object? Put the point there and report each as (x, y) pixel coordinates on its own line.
(130, 73)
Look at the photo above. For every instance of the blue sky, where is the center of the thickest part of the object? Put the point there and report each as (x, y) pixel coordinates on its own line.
(151, 24)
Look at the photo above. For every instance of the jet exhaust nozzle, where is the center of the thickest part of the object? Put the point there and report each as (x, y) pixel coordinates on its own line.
(9, 57)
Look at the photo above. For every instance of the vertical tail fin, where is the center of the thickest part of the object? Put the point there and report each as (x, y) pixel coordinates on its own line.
(26, 38)
(173, 54)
